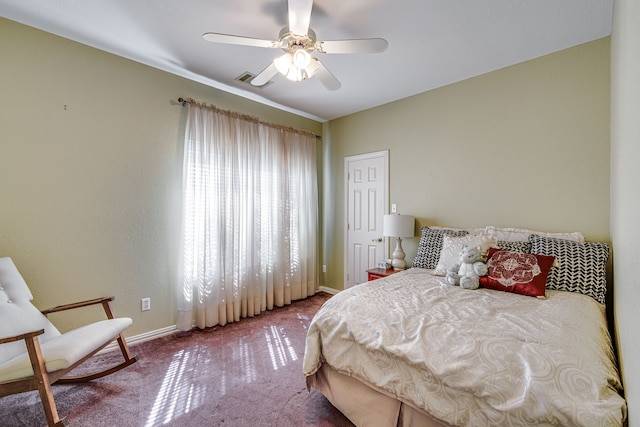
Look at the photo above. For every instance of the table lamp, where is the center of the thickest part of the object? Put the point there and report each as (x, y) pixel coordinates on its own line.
(398, 226)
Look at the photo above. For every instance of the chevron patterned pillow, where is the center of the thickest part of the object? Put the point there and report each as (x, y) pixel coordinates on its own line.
(582, 265)
(523, 247)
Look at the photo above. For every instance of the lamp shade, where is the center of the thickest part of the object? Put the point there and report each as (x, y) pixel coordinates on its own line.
(398, 226)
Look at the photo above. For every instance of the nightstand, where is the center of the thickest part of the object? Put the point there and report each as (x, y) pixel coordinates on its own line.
(377, 273)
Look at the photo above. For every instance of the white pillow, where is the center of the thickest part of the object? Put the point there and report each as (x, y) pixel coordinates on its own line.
(522, 234)
(451, 246)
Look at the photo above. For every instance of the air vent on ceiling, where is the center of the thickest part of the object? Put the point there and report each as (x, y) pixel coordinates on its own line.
(246, 77)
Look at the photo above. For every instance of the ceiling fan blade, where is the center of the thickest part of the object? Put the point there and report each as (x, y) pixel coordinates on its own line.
(326, 78)
(352, 46)
(244, 41)
(300, 16)
(265, 75)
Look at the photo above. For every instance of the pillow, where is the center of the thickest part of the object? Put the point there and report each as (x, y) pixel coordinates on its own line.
(522, 234)
(517, 272)
(430, 245)
(523, 247)
(451, 246)
(474, 231)
(582, 266)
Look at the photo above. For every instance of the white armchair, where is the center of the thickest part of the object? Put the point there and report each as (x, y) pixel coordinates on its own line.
(34, 354)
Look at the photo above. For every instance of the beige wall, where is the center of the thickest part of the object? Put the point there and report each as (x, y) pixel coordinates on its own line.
(625, 197)
(90, 192)
(525, 146)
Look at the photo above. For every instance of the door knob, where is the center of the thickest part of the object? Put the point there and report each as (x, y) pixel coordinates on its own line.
(379, 239)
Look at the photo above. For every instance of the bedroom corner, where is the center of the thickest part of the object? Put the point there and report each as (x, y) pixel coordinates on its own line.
(90, 173)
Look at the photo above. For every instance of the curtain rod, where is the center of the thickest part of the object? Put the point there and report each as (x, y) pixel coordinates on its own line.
(187, 101)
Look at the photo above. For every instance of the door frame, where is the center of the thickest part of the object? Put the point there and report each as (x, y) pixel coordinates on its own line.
(347, 160)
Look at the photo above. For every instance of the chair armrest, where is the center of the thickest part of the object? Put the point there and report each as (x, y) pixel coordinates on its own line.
(77, 305)
(21, 336)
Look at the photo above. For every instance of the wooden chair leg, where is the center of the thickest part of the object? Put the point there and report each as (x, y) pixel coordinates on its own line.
(49, 405)
(44, 386)
(124, 348)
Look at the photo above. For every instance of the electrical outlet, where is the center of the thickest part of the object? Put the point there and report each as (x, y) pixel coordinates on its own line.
(324, 268)
(145, 304)
(394, 208)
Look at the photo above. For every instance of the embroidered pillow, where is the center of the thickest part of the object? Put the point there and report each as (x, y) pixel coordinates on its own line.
(430, 245)
(451, 247)
(582, 266)
(517, 272)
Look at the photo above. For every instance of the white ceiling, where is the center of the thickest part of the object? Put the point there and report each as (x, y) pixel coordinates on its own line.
(432, 43)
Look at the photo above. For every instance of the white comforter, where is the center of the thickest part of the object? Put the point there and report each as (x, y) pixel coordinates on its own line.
(473, 358)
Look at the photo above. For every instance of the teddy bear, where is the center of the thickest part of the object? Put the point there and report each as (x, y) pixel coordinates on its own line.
(467, 273)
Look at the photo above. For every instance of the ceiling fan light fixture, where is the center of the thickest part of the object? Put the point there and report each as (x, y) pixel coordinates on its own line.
(301, 58)
(295, 74)
(297, 65)
(283, 63)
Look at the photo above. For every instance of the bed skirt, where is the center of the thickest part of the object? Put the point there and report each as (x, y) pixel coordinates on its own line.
(365, 405)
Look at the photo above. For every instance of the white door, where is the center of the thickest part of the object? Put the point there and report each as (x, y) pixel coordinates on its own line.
(366, 201)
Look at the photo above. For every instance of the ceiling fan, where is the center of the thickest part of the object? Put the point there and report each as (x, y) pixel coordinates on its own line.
(298, 41)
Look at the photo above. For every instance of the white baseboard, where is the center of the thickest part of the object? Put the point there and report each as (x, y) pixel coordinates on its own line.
(137, 339)
(328, 290)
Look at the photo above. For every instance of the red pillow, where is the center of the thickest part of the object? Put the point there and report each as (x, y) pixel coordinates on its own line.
(520, 273)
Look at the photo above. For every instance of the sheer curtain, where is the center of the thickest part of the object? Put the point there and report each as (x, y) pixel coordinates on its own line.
(249, 220)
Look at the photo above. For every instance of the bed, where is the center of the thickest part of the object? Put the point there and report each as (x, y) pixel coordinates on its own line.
(411, 350)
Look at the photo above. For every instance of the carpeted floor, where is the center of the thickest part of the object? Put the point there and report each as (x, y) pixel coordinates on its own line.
(243, 374)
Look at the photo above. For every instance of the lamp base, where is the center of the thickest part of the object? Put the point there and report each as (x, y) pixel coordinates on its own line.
(398, 262)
